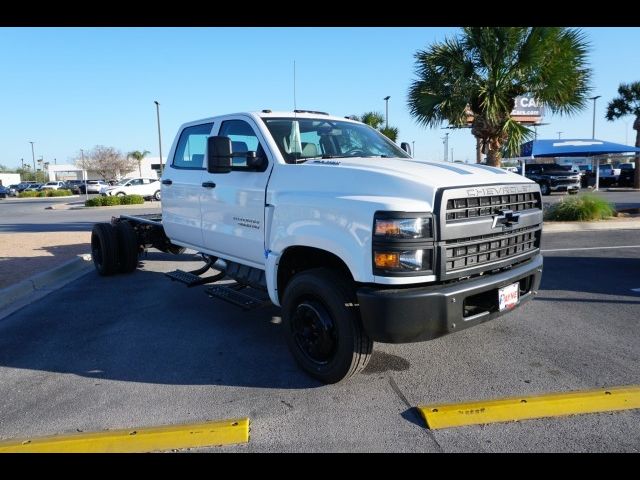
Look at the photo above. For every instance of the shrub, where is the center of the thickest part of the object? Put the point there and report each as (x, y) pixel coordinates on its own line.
(131, 200)
(59, 193)
(27, 194)
(41, 194)
(580, 208)
(110, 201)
(93, 202)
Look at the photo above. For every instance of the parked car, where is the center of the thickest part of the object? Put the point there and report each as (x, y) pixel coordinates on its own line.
(33, 187)
(627, 177)
(93, 186)
(146, 187)
(608, 174)
(4, 191)
(24, 185)
(553, 178)
(13, 190)
(73, 185)
(52, 186)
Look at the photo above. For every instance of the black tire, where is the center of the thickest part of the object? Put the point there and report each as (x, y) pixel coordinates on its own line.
(544, 189)
(573, 192)
(104, 249)
(120, 194)
(322, 327)
(128, 248)
(157, 196)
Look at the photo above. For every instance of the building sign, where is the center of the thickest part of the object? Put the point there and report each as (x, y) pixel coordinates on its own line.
(527, 110)
(527, 106)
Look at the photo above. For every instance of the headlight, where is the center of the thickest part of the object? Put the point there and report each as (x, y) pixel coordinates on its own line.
(403, 260)
(389, 228)
(403, 243)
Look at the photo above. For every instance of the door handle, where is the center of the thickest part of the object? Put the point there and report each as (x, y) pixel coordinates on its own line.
(208, 185)
(167, 182)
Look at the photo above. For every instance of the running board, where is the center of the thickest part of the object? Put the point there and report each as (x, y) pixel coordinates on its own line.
(232, 295)
(192, 280)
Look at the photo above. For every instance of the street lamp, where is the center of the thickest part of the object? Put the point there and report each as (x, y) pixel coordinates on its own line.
(593, 129)
(33, 157)
(159, 137)
(386, 99)
(85, 174)
(445, 140)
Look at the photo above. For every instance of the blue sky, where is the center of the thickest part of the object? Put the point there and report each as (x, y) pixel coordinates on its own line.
(72, 88)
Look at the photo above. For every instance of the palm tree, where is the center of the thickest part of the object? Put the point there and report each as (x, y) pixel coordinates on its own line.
(376, 120)
(628, 103)
(480, 73)
(138, 155)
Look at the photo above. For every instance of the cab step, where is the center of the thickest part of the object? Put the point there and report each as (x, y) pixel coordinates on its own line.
(232, 294)
(191, 280)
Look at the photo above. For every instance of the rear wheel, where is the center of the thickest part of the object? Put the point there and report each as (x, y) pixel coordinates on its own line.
(573, 192)
(104, 248)
(120, 194)
(157, 196)
(322, 326)
(128, 247)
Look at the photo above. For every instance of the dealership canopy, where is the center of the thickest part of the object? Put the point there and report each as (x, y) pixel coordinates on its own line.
(572, 148)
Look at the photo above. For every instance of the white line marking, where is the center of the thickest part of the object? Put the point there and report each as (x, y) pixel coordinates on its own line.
(589, 248)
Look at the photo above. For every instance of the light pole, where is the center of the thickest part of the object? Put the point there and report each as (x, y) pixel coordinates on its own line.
(85, 175)
(40, 160)
(33, 157)
(445, 140)
(593, 128)
(559, 134)
(159, 137)
(413, 148)
(386, 117)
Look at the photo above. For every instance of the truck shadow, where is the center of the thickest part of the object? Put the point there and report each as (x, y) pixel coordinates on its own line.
(143, 328)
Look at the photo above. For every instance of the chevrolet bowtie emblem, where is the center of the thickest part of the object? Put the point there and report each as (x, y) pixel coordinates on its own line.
(506, 218)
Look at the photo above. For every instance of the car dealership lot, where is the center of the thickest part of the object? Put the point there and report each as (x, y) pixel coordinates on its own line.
(137, 350)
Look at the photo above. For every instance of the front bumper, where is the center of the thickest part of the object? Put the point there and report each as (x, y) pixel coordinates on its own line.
(423, 313)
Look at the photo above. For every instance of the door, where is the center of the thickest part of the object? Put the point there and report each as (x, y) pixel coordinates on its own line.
(232, 203)
(181, 184)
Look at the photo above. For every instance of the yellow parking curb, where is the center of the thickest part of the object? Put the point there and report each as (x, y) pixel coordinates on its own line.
(537, 406)
(137, 440)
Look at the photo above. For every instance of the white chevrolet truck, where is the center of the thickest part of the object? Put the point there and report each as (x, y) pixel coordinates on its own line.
(354, 239)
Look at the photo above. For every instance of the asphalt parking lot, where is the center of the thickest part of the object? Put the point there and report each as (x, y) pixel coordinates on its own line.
(136, 350)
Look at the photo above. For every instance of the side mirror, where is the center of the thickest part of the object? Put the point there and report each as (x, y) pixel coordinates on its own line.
(406, 147)
(255, 162)
(219, 154)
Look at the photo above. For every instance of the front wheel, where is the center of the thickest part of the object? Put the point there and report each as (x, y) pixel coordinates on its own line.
(157, 196)
(573, 192)
(544, 189)
(322, 326)
(120, 194)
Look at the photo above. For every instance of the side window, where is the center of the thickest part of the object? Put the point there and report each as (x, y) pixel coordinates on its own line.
(192, 146)
(243, 140)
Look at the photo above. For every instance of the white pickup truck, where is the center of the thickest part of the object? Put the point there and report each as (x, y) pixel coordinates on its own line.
(353, 238)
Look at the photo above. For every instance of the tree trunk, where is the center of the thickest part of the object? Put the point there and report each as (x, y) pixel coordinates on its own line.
(494, 152)
(478, 150)
(636, 172)
(140, 167)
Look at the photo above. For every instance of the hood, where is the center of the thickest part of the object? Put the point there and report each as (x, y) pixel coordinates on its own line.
(432, 173)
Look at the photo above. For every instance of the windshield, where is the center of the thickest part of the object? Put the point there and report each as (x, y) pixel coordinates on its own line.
(304, 138)
(123, 181)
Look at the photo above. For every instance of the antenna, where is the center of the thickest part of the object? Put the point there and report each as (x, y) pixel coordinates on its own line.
(295, 106)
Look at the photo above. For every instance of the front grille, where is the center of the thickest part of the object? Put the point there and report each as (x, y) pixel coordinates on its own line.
(470, 252)
(564, 181)
(473, 207)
